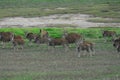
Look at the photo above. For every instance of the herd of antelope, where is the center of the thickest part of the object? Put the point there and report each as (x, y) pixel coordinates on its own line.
(66, 39)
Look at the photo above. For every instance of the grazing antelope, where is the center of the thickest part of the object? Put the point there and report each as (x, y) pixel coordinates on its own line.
(31, 36)
(85, 46)
(72, 37)
(17, 41)
(43, 33)
(5, 37)
(116, 44)
(58, 41)
(107, 33)
(40, 40)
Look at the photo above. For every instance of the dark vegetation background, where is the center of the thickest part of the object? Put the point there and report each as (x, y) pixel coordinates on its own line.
(29, 8)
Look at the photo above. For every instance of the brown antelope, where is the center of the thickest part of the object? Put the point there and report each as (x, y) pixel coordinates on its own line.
(85, 46)
(43, 33)
(72, 37)
(17, 41)
(58, 41)
(116, 44)
(40, 40)
(107, 33)
(5, 37)
(31, 37)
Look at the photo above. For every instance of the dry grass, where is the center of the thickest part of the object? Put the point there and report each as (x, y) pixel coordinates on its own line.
(38, 63)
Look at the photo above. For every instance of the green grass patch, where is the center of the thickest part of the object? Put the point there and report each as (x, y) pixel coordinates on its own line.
(38, 63)
(58, 32)
(65, 75)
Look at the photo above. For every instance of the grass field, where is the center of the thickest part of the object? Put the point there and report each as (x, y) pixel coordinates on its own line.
(36, 62)
(32, 8)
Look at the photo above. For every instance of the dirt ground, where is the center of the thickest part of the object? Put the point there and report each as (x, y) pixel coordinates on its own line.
(38, 63)
(76, 20)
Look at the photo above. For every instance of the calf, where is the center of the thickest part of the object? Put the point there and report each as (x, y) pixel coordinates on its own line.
(5, 37)
(85, 46)
(17, 41)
